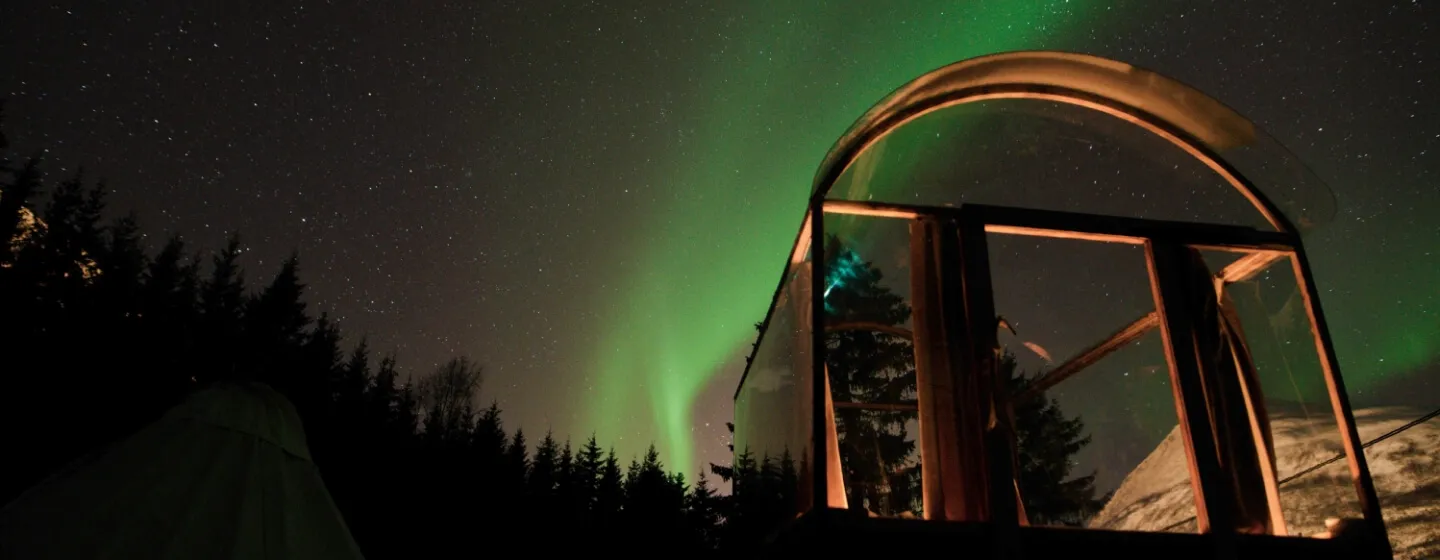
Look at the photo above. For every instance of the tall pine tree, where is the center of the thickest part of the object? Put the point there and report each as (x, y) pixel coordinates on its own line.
(610, 488)
(222, 304)
(1047, 441)
(586, 477)
(543, 475)
(870, 367)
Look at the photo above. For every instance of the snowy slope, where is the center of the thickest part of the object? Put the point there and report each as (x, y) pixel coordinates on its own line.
(1406, 468)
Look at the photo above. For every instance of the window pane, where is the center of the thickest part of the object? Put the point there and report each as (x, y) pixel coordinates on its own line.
(1101, 446)
(1314, 477)
(773, 412)
(871, 363)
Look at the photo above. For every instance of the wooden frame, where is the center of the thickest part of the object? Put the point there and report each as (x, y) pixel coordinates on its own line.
(1164, 242)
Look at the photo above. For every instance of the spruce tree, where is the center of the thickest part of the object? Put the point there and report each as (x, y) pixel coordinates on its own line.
(407, 411)
(310, 379)
(69, 241)
(168, 291)
(586, 478)
(632, 477)
(162, 277)
(1046, 441)
(543, 475)
(702, 514)
(353, 379)
(382, 400)
(565, 486)
(489, 435)
(118, 312)
(517, 462)
(123, 263)
(222, 301)
(610, 489)
(168, 309)
(275, 318)
(656, 500)
(870, 367)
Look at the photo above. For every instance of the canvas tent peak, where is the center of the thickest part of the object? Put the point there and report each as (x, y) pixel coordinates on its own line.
(225, 474)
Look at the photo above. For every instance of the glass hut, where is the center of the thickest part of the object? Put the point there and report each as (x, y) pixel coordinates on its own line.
(1042, 303)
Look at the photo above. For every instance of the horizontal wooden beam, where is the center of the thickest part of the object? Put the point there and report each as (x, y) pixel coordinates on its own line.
(876, 209)
(1063, 234)
(1130, 333)
(1069, 225)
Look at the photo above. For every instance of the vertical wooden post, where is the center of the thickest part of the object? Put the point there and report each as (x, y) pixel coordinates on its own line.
(1171, 287)
(1233, 401)
(984, 416)
(943, 493)
(820, 433)
(972, 411)
(1256, 412)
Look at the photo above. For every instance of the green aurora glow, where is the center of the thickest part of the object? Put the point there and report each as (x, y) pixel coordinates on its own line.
(692, 301)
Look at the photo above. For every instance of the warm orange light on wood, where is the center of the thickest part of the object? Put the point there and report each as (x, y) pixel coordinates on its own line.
(854, 208)
(1063, 234)
(834, 483)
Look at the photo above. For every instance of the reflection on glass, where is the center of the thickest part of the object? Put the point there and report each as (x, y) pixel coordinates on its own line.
(773, 412)
(871, 363)
(1094, 411)
(1135, 450)
(1279, 337)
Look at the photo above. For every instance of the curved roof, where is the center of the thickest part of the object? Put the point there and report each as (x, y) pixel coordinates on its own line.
(1281, 189)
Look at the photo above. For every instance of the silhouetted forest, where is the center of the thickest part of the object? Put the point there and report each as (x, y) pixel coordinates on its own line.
(102, 336)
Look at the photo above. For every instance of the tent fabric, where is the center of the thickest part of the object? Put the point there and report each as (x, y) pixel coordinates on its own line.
(225, 474)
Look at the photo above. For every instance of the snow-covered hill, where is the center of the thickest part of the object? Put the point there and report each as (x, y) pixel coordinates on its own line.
(1406, 468)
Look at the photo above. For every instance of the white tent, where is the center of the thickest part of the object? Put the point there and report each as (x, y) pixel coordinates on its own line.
(226, 474)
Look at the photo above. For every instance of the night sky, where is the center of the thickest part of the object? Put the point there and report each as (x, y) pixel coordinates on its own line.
(595, 199)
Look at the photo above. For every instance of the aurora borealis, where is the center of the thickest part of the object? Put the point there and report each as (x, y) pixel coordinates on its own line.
(771, 127)
(595, 199)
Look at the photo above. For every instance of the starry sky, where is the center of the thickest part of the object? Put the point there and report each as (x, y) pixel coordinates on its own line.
(595, 199)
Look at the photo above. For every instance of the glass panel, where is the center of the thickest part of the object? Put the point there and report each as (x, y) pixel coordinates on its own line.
(1314, 477)
(871, 363)
(1290, 184)
(1101, 447)
(773, 419)
(1062, 296)
(1042, 154)
(1123, 407)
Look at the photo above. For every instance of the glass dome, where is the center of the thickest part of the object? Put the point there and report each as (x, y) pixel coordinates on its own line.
(1022, 246)
(1062, 131)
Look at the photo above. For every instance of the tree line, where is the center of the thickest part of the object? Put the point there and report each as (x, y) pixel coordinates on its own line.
(101, 337)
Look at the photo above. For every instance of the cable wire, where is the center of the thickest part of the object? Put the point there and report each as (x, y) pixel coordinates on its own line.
(1322, 464)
